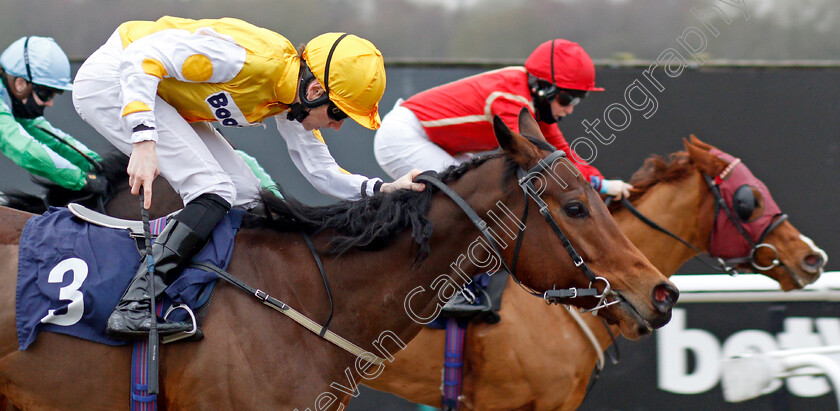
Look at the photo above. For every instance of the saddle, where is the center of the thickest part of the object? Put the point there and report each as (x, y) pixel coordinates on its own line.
(136, 231)
(135, 228)
(97, 255)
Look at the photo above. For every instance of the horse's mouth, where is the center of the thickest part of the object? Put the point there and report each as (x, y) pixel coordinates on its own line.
(634, 322)
(800, 277)
(797, 277)
(792, 272)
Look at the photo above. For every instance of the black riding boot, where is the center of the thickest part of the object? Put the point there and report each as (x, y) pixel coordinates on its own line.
(174, 248)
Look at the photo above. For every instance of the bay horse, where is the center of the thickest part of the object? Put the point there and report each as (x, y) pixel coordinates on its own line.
(385, 248)
(538, 358)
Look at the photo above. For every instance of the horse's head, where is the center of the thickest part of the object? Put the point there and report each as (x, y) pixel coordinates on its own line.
(749, 230)
(570, 239)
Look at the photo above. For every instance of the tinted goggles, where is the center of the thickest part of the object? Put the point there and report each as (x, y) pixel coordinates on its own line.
(570, 97)
(45, 93)
(335, 113)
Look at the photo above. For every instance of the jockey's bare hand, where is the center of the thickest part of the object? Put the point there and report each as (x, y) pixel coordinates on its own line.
(404, 182)
(617, 188)
(142, 170)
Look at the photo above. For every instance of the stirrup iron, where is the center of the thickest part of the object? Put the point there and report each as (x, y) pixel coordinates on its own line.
(184, 334)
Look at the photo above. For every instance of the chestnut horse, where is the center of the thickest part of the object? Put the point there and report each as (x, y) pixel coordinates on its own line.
(538, 358)
(386, 247)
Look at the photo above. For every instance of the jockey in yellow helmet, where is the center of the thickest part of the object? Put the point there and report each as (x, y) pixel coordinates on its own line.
(154, 88)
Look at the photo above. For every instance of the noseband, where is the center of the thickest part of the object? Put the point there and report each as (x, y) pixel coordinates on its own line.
(778, 219)
(554, 296)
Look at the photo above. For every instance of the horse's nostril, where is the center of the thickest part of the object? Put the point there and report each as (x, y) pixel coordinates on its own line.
(660, 294)
(664, 297)
(813, 260)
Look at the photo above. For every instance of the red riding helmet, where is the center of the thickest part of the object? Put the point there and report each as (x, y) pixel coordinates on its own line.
(564, 64)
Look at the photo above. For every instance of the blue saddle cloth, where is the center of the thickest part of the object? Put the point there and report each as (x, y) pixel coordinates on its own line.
(71, 275)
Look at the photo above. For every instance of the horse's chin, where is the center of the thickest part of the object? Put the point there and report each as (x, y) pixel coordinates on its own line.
(796, 283)
(633, 326)
(789, 279)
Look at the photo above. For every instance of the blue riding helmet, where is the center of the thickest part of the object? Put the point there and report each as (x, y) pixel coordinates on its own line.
(47, 64)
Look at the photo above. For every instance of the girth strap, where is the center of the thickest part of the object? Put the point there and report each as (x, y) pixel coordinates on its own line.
(301, 319)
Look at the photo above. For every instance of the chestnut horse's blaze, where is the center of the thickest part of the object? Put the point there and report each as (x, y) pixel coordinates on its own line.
(254, 358)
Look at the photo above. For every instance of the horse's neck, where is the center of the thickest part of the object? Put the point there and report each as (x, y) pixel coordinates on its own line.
(684, 208)
(409, 297)
(374, 292)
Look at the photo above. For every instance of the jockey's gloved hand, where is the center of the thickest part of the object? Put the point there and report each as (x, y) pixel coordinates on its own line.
(96, 184)
(615, 188)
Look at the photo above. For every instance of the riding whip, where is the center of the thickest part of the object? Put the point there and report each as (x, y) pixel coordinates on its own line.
(154, 339)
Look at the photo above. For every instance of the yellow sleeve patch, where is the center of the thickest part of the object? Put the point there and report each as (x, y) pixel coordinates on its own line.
(197, 68)
(135, 107)
(154, 67)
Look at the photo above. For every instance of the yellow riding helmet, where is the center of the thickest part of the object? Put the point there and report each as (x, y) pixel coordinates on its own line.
(356, 73)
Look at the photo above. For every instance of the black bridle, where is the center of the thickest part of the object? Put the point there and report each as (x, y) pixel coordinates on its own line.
(554, 296)
(720, 204)
(726, 265)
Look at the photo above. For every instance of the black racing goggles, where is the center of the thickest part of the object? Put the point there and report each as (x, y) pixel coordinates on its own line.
(44, 93)
(566, 97)
(335, 113)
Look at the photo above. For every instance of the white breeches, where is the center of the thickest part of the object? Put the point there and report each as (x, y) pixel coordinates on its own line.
(401, 144)
(193, 157)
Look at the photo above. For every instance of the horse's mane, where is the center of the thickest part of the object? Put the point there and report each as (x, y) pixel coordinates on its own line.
(656, 169)
(368, 224)
(372, 222)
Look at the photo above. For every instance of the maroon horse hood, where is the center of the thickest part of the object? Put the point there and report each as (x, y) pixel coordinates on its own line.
(726, 241)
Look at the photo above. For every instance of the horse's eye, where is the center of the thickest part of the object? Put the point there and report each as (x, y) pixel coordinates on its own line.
(576, 210)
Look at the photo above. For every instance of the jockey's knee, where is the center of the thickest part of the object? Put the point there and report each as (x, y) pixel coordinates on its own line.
(203, 213)
(225, 190)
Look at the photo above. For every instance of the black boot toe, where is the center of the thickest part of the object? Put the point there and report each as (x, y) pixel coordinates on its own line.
(129, 325)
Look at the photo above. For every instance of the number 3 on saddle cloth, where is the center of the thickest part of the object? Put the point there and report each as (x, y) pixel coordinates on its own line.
(71, 275)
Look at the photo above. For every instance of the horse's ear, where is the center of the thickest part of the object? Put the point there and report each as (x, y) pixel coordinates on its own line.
(697, 142)
(699, 154)
(528, 124)
(514, 145)
(688, 144)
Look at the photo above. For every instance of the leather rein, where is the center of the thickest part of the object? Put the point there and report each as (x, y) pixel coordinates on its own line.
(725, 265)
(554, 296)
